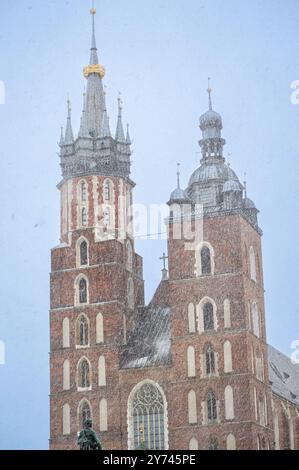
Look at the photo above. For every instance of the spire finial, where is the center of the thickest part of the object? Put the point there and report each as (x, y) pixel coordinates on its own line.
(120, 104)
(69, 136)
(209, 90)
(245, 184)
(178, 174)
(228, 158)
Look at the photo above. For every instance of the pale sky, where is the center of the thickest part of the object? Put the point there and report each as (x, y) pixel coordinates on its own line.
(158, 54)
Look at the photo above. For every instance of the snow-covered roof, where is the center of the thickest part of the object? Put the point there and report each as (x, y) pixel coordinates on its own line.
(149, 342)
(284, 375)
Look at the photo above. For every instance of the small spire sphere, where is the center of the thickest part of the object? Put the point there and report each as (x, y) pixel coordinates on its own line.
(93, 9)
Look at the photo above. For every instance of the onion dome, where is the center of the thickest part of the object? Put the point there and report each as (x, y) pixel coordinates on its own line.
(249, 204)
(214, 171)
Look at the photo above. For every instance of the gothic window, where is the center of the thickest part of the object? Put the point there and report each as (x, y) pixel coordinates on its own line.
(107, 191)
(191, 318)
(210, 360)
(103, 415)
(102, 371)
(262, 415)
(84, 217)
(227, 352)
(66, 333)
(213, 444)
(66, 375)
(206, 265)
(66, 420)
(229, 403)
(259, 365)
(100, 328)
(227, 316)
(129, 256)
(83, 192)
(83, 253)
(84, 374)
(82, 331)
(252, 264)
(208, 316)
(191, 362)
(211, 407)
(193, 444)
(148, 418)
(130, 293)
(192, 407)
(255, 320)
(82, 291)
(231, 442)
(84, 413)
(107, 216)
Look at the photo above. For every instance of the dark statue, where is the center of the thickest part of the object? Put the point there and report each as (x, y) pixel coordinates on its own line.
(87, 439)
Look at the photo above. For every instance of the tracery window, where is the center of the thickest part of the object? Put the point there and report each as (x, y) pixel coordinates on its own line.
(211, 407)
(210, 360)
(148, 418)
(206, 264)
(208, 316)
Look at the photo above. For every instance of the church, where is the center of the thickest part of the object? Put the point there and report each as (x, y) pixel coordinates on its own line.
(191, 370)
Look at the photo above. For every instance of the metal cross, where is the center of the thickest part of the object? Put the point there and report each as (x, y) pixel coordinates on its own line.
(164, 258)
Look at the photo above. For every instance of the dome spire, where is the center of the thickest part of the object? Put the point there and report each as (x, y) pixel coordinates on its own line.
(178, 175)
(209, 90)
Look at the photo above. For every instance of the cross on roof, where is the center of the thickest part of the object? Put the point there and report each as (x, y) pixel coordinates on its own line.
(164, 258)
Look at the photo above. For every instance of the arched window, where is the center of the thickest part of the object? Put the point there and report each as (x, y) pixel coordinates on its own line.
(66, 375)
(191, 362)
(102, 371)
(103, 415)
(252, 264)
(193, 444)
(191, 318)
(83, 253)
(262, 415)
(148, 418)
(66, 420)
(206, 264)
(66, 333)
(84, 413)
(107, 216)
(83, 192)
(211, 407)
(229, 403)
(286, 432)
(83, 217)
(130, 294)
(209, 360)
(227, 318)
(84, 374)
(208, 317)
(227, 352)
(213, 444)
(129, 256)
(231, 442)
(82, 291)
(276, 431)
(255, 320)
(259, 365)
(82, 331)
(100, 328)
(107, 191)
(192, 407)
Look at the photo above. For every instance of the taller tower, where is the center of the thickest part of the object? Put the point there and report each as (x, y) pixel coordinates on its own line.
(96, 276)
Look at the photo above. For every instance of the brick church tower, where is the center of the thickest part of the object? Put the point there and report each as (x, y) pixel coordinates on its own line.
(190, 370)
(96, 278)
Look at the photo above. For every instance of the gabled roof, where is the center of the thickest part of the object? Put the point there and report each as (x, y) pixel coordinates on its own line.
(284, 376)
(149, 342)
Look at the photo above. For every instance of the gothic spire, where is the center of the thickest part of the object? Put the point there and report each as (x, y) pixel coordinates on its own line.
(69, 136)
(128, 138)
(61, 142)
(209, 90)
(83, 132)
(94, 73)
(105, 127)
(120, 135)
